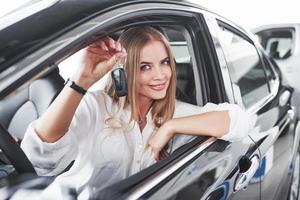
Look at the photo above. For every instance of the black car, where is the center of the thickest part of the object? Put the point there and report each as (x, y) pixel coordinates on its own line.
(217, 61)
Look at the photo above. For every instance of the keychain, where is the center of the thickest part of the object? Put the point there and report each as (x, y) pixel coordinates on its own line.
(119, 80)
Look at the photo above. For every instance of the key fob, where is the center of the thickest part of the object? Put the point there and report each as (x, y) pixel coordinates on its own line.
(119, 81)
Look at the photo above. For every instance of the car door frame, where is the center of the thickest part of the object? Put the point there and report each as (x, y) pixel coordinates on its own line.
(278, 92)
(145, 187)
(41, 61)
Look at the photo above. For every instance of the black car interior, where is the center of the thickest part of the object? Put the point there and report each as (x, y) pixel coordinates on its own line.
(185, 87)
(23, 107)
(29, 102)
(17, 111)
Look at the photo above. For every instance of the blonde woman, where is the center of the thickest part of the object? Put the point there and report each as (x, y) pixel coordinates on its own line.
(111, 137)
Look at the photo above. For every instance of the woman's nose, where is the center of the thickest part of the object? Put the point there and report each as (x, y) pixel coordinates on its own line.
(158, 73)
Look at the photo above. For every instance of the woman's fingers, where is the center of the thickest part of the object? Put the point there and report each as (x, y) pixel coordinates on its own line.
(111, 43)
(101, 56)
(103, 46)
(105, 66)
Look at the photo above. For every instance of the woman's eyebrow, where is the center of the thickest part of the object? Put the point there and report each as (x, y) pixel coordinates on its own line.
(165, 58)
(144, 62)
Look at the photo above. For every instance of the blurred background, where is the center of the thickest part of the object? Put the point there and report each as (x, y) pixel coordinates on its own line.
(246, 13)
(255, 12)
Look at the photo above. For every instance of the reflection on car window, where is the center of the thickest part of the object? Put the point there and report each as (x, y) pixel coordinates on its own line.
(278, 43)
(245, 67)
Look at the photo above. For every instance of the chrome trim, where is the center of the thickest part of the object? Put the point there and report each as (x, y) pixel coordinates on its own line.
(284, 98)
(225, 71)
(244, 178)
(211, 23)
(260, 104)
(163, 175)
(22, 13)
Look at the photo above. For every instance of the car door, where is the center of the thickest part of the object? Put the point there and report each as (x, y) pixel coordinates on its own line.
(257, 87)
(205, 168)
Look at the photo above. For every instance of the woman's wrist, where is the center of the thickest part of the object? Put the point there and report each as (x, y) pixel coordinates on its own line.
(82, 81)
(170, 128)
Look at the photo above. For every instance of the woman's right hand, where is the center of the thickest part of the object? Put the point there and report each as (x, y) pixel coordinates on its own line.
(99, 58)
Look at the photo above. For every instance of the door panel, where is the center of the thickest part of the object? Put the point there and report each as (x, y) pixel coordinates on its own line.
(276, 147)
(274, 132)
(253, 190)
(211, 175)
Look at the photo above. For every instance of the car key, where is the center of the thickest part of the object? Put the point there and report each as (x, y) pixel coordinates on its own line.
(119, 79)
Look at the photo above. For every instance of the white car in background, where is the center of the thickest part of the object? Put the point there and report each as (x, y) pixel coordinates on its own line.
(282, 43)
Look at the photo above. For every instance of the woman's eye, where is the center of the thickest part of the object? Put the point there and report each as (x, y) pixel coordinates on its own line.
(145, 67)
(166, 62)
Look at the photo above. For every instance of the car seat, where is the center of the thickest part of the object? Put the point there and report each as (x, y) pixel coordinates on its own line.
(273, 50)
(185, 87)
(23, 107)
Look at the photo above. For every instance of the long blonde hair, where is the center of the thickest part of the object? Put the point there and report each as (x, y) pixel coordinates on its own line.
(133, 40)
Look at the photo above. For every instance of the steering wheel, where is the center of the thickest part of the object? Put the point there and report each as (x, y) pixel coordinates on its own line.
(14, 153)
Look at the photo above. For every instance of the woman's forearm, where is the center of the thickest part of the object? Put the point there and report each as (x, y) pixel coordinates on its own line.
(216, 124)
(55, 122)
(98, 60)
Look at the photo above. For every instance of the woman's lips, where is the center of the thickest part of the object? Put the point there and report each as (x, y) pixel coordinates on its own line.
(158, 87)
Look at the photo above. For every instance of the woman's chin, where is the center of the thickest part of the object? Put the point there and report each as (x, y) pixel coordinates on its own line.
(158, 96)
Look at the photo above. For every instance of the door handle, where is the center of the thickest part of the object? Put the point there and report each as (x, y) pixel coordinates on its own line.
(245, 177)
(291, 113)
(284, 98)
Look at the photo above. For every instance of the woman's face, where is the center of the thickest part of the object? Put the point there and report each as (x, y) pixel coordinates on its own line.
(155, 72)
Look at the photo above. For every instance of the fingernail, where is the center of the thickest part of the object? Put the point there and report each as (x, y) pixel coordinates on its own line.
(114, 44)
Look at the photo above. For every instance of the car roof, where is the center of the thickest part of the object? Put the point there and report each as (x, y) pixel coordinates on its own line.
(40, 20)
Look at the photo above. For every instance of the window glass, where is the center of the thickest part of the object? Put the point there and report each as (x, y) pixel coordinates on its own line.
(248, 77)
(278, 43)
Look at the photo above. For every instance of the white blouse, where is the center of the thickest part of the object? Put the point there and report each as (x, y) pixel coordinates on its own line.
(107, 152)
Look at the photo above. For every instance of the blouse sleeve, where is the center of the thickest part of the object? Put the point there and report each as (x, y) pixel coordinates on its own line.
(241, 122)
(50, 159)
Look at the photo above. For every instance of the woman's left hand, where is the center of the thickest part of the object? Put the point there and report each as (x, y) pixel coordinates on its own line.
(160, 139)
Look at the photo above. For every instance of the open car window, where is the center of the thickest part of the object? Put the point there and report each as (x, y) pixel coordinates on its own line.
(186, 74)
(179, 40)
(176, 35)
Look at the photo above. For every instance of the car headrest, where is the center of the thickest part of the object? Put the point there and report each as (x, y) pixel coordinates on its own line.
(185, 88)
(26, 105)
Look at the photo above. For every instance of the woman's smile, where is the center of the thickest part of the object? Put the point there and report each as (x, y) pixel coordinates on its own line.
(158, 87)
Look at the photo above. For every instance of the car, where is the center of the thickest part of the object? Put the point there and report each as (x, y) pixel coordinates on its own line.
(216, 61)
(281, 42)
